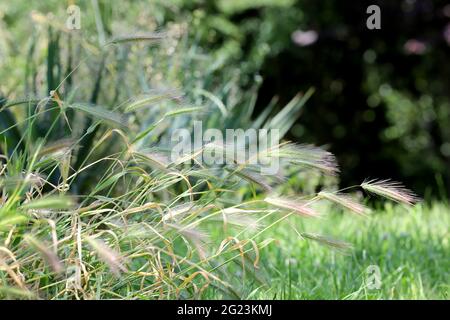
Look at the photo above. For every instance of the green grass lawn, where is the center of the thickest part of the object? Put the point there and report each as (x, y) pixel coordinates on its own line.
(410, 247)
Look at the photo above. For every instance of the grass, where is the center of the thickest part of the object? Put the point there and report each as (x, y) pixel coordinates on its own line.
(91, 207)
(410, 248)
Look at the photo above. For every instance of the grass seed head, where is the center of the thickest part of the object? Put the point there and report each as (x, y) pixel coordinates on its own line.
(392, 190)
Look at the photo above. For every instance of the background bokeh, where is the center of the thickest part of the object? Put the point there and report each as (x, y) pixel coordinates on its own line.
(382, 96)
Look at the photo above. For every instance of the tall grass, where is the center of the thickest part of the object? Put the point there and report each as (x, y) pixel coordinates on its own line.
(91, 205)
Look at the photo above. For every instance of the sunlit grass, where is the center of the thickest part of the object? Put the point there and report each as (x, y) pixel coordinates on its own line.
(410, 248)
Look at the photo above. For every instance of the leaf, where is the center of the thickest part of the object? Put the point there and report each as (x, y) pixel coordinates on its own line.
(16, 181)
(284, 120)
(143, 133)
(16, 292)
(215, 100)
(12, 103)
(9, 132)
(183, 111)
(51, 202)
(108, 182)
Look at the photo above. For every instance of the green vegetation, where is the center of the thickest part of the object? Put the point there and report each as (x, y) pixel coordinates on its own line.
(409, 246)
(93, 207)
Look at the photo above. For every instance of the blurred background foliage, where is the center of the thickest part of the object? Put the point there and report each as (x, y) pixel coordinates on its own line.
(382, 96)
(381, 100)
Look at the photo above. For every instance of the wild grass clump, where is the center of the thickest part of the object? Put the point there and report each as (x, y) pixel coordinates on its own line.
(92, 205)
